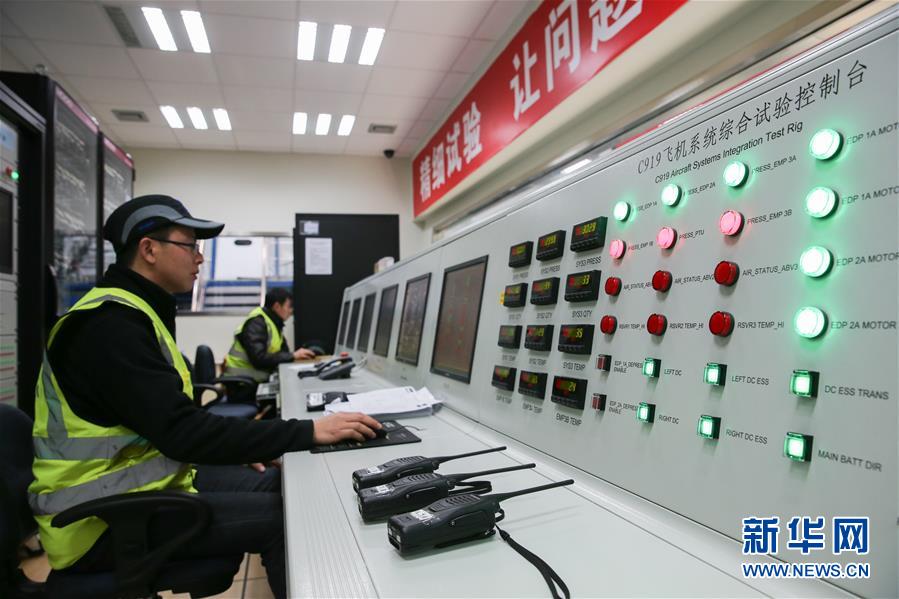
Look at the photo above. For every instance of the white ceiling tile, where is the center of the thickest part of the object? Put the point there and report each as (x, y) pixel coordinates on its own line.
(328, 76)
(250, 70)
(139, 135)
(251, 37)
(372, 144)
(186, 94)
(358, 13)
(407, 147)
(472, 56)
(501, 16)
(82, 59)
(9, 28)
(80, 22)
(8, 61)
(392, 107)
(259, 121)
(419, 50)
(239, 97)
(26, 53)
(111, 91)
(185, 67)
(452, 85)
(421, 128)
(256, 141)
(210, 139)
(459, 17)
(404, 82)
(334, 103)
(263, 9)
(435, 109)
(103, 112)
(319, 144)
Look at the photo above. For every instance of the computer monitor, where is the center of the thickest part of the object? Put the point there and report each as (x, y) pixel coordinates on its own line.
(457, 319)
(413, 319)
(344, 319)
(368, 311)
(385, 320)
(354, 324)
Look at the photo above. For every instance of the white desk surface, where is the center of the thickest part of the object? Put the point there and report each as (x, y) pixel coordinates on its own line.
(602, 540)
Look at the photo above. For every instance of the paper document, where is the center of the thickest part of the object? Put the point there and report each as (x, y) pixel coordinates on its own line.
(318, 256)
(397, 402)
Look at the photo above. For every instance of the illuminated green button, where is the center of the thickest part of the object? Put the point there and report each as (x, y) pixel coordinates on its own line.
(809, 322)
(804, 383)
(708, 427)
(825, 144)
(735, 174)
(715, 374)
(646, 411)
(820, 202)
(815, 261)
(671, 194)
(798, 447)
(651, 367)
(14, 175)
(621, 210)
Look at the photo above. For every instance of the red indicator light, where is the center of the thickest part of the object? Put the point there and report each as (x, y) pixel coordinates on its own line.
(616, 249)
(731, 222)
(666, 238)
(721, 324)
(661, 280)
(613, 286)
(608, 324)
(656, 324)
(726, 273)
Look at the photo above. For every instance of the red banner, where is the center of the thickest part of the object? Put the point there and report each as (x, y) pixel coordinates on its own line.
(564, 44)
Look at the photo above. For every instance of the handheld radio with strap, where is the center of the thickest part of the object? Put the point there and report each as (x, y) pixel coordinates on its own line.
(400, 467)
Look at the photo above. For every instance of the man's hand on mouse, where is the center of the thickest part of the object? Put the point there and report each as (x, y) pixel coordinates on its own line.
(338, 427)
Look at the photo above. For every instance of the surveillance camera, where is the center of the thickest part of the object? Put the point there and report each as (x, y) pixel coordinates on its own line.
(388, 153)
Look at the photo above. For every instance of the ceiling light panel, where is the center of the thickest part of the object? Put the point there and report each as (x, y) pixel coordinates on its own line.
(197, 119)
(222, 120)
(370, 47)
(193, 22)
(306, 40)
(340, 40)
(323, 124)
(346, 125)
(172, 117)
(299, 123)
(160, 28)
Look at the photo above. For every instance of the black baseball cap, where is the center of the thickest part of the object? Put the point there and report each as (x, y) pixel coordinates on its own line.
(138, 217)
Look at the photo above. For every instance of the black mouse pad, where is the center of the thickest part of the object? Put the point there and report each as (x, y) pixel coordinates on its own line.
(397, 434)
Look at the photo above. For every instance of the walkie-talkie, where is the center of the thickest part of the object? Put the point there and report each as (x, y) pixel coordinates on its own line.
(452, 520)
(400, 467)
(419, 490)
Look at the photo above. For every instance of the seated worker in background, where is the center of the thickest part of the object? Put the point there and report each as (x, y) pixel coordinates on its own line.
(259, 344)
(114, 414)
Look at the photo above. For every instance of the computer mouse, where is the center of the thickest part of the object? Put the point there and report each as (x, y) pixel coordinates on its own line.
(381, 433)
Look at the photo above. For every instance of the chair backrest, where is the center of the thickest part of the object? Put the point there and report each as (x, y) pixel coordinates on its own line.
(16, 457)
(204, 365)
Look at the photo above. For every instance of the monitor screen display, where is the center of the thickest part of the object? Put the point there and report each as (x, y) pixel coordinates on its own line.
(457, 319)
(413, 319)
(354, 324)
(368, 310)
(344, 319)
(385, 321)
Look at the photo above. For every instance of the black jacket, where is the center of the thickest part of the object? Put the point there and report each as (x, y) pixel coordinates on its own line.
(254, 339)
(111, 370)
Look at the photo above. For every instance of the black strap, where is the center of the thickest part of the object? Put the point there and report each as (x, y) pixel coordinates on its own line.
(549, 575)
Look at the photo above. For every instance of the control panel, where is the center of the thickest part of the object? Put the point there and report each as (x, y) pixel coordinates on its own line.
(9, 252)
(726, 341)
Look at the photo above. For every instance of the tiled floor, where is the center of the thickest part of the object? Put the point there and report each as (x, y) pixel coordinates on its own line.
(250, 582)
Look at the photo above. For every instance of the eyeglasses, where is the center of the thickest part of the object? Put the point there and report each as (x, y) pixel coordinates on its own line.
(193, 247)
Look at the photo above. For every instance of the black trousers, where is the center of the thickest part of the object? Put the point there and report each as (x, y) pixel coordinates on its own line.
(247, 517)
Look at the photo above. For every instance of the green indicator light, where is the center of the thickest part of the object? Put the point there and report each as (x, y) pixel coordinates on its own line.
(671, 194)
(735, 174)
(715, 374)
(651, 367)
(798, 447)
(645, 411)
(804, 383)
(14, 175)
(815, 261)
(809, 322)
(820, 202)
(708, 427)
(621, 210)
(825, 144)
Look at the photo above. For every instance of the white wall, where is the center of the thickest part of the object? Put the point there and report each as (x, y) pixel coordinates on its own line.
(255, 192)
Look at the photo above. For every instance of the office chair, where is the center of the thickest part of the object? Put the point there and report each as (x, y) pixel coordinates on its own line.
(204, 379)
(140, 571)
